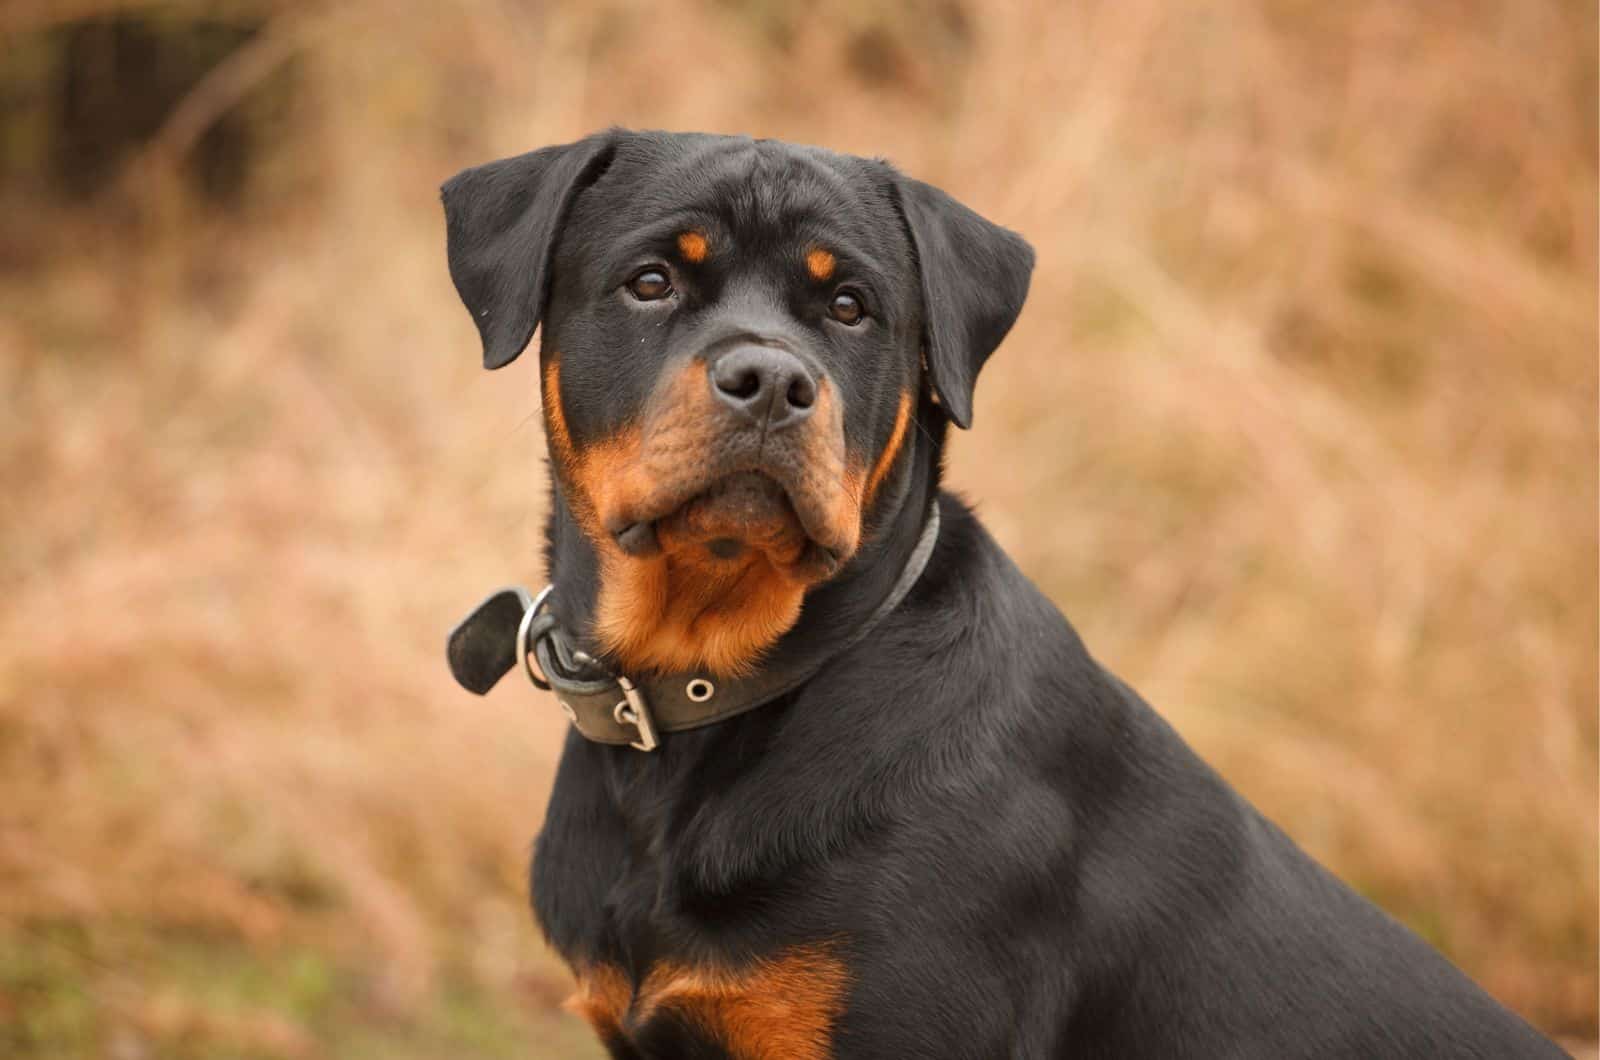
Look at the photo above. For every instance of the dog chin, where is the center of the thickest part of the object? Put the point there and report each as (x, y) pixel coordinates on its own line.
(736, 514)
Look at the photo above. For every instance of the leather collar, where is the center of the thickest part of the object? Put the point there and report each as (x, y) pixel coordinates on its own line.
(510, 627)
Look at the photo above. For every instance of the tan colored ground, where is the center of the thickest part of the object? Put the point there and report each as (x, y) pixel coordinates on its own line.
(1299, 428)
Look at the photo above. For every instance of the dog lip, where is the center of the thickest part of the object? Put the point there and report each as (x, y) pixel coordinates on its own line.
(638, 539)
(634, 531)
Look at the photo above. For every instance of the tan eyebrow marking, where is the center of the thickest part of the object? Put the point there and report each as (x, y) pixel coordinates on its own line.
(819, 263)
(693, 246)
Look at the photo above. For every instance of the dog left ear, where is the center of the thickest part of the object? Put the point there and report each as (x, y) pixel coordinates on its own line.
(501, 222)
(974, 280)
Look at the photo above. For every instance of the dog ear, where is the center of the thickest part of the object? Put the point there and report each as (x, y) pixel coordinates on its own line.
(974, 280)
(501, 222)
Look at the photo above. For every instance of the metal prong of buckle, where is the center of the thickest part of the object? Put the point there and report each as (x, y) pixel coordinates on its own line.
(633, 710)
(530, 665)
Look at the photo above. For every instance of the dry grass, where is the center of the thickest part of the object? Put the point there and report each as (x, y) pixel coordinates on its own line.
(1299, 428)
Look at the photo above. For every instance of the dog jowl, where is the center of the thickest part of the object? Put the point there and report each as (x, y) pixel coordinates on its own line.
(935, 826)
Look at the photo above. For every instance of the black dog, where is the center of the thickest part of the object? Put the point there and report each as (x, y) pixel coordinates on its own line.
(880, 801)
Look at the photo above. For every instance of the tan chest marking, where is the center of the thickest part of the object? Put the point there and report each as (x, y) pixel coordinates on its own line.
(784, 1007)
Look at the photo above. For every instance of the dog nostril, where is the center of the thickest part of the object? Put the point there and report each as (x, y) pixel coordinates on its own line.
(741, 383)
(802, 393)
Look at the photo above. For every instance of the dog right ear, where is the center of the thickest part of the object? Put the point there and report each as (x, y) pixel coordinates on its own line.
(501, 222)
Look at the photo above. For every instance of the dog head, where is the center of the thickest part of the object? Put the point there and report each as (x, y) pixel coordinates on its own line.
(741, 339)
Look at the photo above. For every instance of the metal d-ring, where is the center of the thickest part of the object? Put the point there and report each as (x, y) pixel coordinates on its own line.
(525, 652)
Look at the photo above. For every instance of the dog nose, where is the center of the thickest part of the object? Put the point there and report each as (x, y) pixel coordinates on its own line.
(765, 385)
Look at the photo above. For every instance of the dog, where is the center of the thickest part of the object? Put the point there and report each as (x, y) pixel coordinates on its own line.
(841, 781)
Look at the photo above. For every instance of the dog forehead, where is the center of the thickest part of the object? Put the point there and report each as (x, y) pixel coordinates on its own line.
(756, 190)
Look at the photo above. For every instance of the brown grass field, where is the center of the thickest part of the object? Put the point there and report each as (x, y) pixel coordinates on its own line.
(1298, 428)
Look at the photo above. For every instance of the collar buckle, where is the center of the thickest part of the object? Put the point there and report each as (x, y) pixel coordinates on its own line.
(632, 709)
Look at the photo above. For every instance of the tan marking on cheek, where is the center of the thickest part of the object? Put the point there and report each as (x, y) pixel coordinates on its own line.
(597, 472)
(897, 436)
(634, 465)
(555, 419)
(819, 263)
(779, 1008)
(694, 246)
(827, 471)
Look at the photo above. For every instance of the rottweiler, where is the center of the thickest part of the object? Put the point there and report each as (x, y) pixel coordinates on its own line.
(841, 781)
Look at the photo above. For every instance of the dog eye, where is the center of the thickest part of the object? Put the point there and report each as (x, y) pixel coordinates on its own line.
(651, 285)
(846, 308)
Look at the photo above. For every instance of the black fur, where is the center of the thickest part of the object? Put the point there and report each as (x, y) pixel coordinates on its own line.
(502, 219)
(1016, 854)
(974, 280)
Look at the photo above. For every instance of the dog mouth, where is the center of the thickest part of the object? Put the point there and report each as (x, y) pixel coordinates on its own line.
(730, 517)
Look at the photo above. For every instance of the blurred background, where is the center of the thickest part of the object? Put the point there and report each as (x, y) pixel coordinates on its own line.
(1299, 428)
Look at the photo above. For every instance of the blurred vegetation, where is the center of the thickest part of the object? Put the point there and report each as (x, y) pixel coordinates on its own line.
(82, 98)
(1299, 428)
